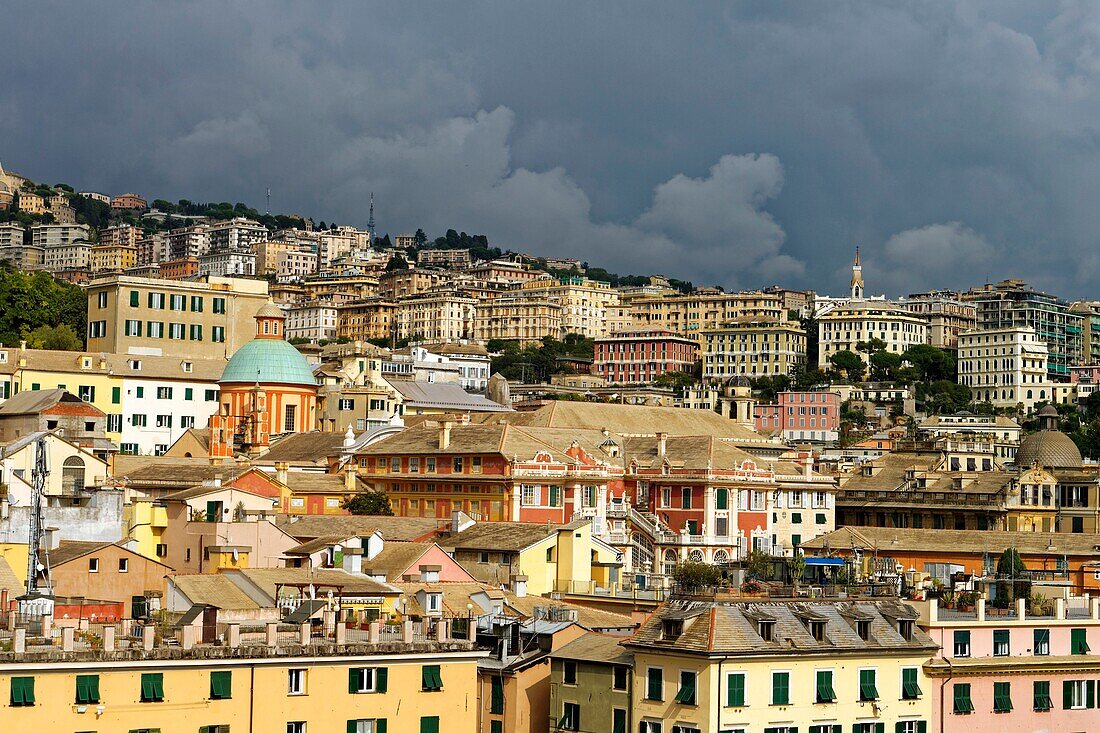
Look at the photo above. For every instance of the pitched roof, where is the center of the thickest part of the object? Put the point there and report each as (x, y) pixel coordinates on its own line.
(34, 401)
(589, 618)
(395, 558)
(391, 528)
(204, 489)
(599, 648)
(317, 544)
(442, 396)
(68, 550)
(956, 540)
(9, 581)
(206, 369)
(500, 536)
(267, 578)
(732, 628)
(310, 447)
(214, 590)
(635, 420)
(161, 472)
(311, 482)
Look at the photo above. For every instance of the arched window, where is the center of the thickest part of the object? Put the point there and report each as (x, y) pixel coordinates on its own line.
(1029, 394)
(721, 556)
(695, 556)
(669, 563)
(72, 475)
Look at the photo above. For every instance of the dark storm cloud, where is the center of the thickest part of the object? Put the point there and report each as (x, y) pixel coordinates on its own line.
(742, 143)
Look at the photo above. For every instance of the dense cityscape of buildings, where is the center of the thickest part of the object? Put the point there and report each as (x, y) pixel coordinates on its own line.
(284, 485)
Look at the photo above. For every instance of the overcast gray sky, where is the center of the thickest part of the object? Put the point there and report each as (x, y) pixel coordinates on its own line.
(742, 144)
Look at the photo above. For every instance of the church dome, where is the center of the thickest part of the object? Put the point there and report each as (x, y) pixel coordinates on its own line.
(268, 358)
(1050, 449)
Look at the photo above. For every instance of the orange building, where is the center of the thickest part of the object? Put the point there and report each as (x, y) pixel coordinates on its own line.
(266, 389)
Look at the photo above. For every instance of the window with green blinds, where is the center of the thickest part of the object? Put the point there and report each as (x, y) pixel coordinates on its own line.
(654, 684)
(830, 728)
(867, 689)
(358, 726)
(1002, 697)
(22, 691)
(911, 726)
(1000, 642)
(618, 721)
(686, 694)
(87, 689)
(497, 726)
(910, 689)
(429, 724)
(152, 687)
(781, 688)
(1041, 694)
(824, 692)
(962, 703)
(1041, 647)
(496, 702)
(1078, 643)
(221, 685)
(430, 678)
(735, 690)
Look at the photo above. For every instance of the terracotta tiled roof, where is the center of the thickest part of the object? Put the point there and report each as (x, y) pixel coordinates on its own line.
(392, 528)
(311, 447)
(599, 648)
(214, 590)
(955, 541)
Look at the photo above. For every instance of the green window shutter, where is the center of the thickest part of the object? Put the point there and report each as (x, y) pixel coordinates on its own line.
(922, 726)
(1042, 701)
(654, 683)
(686, 694)
(910, 689)
(555, 492)
(1042, 639)
(618, 721)
(430, 677)
(496, 726)
(721, 499)
(355, 679)
(820, 519)
(880, 727)
(962, 699)
(781, 688)
(1002, 697)
(152, 687)
(825, 686)
(867, 689)
(87, 689)
(116, 395)
(429, 724)
(381, 679)
(496, 703)
(134, 299)
(221, 685)
(353, 726)
(796, 517)
(22, 691)
(1067, 694)
(1090, 694)
(380, 725)
(1078, 643)
(735, 690)
(899, 727)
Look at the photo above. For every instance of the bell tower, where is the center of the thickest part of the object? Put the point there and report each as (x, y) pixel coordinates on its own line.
(857, 278)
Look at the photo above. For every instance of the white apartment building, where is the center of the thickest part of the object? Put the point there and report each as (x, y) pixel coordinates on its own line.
(123, 235)
(341, 242)
(1005, 366)
(191, 241)
(313, 321)
(11, 235)
(585, 304)
(235, 235)
(227, 263)
(436, 316)
(152, 249)
(295, 264)
(15, 248)
(69, 256)
(52, 235)
(753, 347)
(471, 362)
(845, 326)
(163, 397)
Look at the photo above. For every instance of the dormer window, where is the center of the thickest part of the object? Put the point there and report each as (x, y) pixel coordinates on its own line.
(817, 630)
(905, 628)
(435, 602)
(863, 628)
(766, 629)
(86, 363)
(135, 364)
(671, 629)
(188, 366)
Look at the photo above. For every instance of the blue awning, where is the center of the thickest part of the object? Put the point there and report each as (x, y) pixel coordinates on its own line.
(834, 562)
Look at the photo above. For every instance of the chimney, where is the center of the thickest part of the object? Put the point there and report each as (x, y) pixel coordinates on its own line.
(519, 585)
(445, 434)
(281, 468)
(808, 464)
(662, 444)
(351, 475)
(353, 560)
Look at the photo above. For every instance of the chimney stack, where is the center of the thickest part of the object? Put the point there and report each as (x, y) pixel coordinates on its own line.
(662, 444)
(445, 434)
(351, 475)
(281, 469)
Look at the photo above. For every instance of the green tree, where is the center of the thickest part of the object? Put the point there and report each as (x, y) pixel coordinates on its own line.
(692, 575)
(397, 262)
(884, 366)
(674, 380)
(849, 363)
(932, 363)
(55, 338)
(1010, 585)
(374, 503)
(420, 238)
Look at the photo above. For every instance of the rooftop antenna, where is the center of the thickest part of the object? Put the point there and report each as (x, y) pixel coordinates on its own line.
(37, 554)
(370, 219)
(269, 200)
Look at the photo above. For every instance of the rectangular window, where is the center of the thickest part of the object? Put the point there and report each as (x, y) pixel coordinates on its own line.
(176, 303)
(217, 334)
(429, 724)
(1041, 646)
(164, 421)
(1078, 642)
(824, 690)
(910, 689)
(219, 305)
(1078, 694)
(496, 695)
(868, 691)
(1041, 693)
(686, 693)
(961, 647)
(569, 673)
(1002, 697)
(135, 298)
(618, 720)
(211, 395)
(123, 565)
(962, 704)
(735, 690)
(654, 684)
(1000, 642)
(296, 727)
(175, 331)
(93, 565)
(367, 725)
(133, 328)
(619, 680)
(86, 393)
(290, 418)
(138, 420)
(367, 679)
(196, 332)
(87, 689)
(196, 304)
(781, 688)
(685, 498)
(22, 691)
(430, 679)
(221, 685)
(152, 687)
(295, 682)
(570, 716)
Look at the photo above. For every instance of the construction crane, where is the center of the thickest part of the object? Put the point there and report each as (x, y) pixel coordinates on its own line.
(37, 554)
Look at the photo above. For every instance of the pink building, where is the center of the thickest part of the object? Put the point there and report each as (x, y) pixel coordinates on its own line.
(1087, 373)
(802, 416)
(1019, 672)
(638, 357)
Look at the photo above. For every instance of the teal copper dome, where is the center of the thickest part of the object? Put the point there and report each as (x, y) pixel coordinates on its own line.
(268, 361)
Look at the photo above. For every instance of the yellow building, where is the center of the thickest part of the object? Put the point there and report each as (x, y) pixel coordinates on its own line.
(393, 687)
(753, 347)
(585, 304)
(436, 316)
(107, 257)
(693, 314)
(778, 666)
(516, 318)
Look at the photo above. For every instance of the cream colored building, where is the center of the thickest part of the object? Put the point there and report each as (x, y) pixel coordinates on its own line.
(51, 235)
(295, 265)
(584, 303)
(516, 318)
(15, 248)
(436, 316)
(31, 203)
(112, 257)
(153, 249)
(403, 283)
(367, 319)
(693, 314)
(210, 318)
(268, 251)
(846, 325)
(313, 321)
(69, 256)
(946, 314)
(126, 235)
(753, 347)
(1005, 366)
